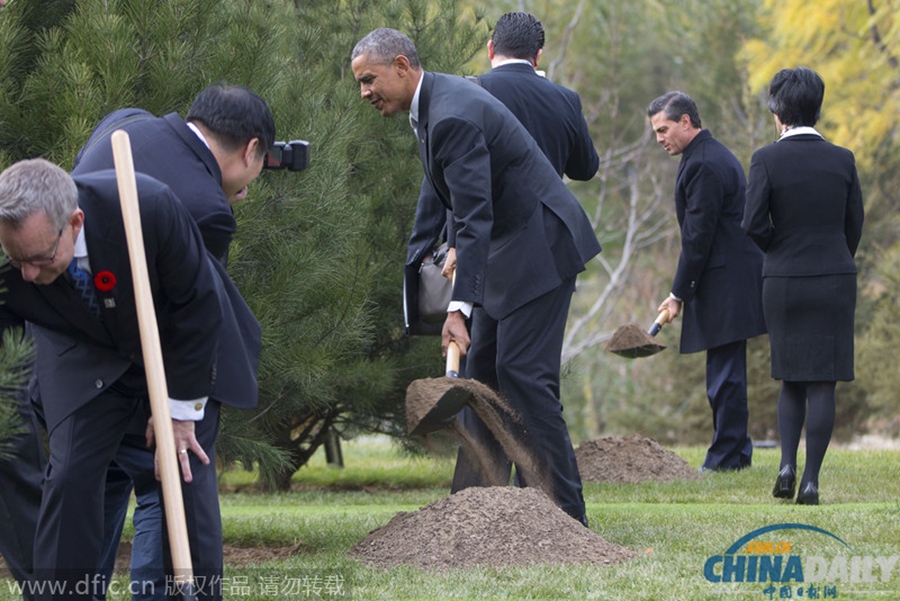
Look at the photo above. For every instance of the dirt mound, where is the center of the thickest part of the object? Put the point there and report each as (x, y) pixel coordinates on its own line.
(496, 526)
(630, 459)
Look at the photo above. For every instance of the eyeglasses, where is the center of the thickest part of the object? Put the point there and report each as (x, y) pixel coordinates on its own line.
(41, 261)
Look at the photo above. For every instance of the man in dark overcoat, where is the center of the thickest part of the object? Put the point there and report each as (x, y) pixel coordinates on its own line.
(718, 280)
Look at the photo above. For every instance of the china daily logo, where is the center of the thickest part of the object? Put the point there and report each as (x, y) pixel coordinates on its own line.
(768, 556)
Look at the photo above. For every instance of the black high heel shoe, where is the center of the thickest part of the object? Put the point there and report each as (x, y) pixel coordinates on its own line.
(785, 483)
(809, 495)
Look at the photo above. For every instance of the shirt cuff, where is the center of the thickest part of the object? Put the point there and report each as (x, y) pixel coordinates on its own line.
(188, 411)
(462, 306)
(675, 298)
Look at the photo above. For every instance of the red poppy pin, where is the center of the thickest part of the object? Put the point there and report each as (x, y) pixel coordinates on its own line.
(105, 281)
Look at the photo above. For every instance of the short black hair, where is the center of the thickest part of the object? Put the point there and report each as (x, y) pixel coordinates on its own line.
(235, 114)
(518, 35)
(676, 104)
(795, 96)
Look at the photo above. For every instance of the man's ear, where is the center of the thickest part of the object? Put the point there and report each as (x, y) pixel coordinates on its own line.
(77, 220)
(251, 151)
(490, 47)
(537, 57)
(401, 63)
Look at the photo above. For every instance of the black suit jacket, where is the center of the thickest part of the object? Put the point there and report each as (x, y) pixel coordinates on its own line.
(550, 112)
(719, 273)
(519, 230)
(79, 356)
(168, 150)
(552, 115)
(804, 207)
(165, 148)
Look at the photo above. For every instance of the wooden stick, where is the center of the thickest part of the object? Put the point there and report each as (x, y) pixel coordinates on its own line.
(166, 453)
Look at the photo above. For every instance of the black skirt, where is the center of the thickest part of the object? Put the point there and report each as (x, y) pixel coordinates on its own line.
(810, 321)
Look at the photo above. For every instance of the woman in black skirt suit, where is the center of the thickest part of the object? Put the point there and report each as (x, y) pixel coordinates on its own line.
(804, 210)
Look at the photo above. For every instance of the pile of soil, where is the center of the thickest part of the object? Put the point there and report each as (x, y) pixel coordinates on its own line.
(490, 526)
(630, 459)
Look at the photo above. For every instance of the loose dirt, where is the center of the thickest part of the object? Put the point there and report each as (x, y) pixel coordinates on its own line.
(497, 414)
(235, 557)
(491, 526)
(630, 459)
(632, 341)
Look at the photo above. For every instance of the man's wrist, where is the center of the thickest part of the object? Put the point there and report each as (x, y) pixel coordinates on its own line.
(462, 306)
(192, 410)
(675, 298)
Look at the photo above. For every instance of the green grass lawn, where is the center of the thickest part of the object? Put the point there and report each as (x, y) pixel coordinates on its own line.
(675, 527)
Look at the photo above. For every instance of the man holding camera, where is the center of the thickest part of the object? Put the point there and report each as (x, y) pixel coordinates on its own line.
(208, 159)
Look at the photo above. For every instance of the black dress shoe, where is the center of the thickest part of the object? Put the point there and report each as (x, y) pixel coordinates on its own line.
(785, 483)
(808, 495)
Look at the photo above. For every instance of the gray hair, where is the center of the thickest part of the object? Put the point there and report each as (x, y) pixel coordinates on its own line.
(36, 186)
(383, 45)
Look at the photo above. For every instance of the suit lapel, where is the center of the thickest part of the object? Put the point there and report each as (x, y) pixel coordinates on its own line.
(108, 256)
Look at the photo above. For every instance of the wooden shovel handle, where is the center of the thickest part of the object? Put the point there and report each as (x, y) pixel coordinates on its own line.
(153, 361)
(452, 369)
(453, 353)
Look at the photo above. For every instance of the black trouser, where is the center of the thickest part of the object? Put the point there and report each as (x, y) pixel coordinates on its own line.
(519, 356)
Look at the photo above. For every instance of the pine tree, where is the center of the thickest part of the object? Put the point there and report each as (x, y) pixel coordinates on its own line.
(319, 254)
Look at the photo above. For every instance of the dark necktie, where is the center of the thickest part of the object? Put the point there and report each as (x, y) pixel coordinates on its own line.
(82, 282)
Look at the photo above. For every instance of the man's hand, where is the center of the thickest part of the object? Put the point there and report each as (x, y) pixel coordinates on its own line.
(449, 264)
(672, 306)
(455, 330)
(185, 442)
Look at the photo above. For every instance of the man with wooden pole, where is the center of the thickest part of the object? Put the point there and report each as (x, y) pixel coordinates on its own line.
(90, 362)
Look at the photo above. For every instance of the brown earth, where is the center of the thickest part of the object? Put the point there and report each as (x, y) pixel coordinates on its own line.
(426, 397)
(632, 341)
(236, 557)
(630, 459)
(495, 526)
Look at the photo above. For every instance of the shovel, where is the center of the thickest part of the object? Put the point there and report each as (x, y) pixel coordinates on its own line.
(432, 403)
(156, 376)
(632, 342)
(424, 414)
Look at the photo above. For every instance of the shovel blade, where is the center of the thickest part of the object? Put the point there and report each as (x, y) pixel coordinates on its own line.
(644, 350)
(424, 415)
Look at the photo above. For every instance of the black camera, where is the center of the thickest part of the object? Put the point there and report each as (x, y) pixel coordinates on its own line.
(293, 156)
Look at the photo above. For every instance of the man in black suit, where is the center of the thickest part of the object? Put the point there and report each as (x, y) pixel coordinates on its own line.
(718, 281)
(89, 361)
(552, 115)
(521, 239)
(550, 112)
(207, 159)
